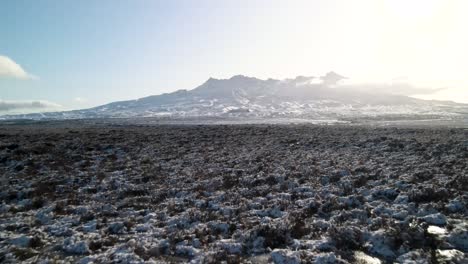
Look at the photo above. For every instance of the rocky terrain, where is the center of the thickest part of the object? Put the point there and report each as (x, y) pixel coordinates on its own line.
(233, 193)
(314, 99)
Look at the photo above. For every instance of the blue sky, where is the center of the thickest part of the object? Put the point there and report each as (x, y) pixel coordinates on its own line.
(85, 53)
(105, 50)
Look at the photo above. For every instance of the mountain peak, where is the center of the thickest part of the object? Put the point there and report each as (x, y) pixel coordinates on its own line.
(210, 82)
(241, 77)
(242, 96)
(238, 77)
(332, 78)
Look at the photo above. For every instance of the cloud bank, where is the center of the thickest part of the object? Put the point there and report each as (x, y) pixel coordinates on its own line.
(406, 89)
(11, 69)
(33, 105)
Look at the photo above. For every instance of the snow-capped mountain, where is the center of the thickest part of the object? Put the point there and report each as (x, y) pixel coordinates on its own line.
(302, 97)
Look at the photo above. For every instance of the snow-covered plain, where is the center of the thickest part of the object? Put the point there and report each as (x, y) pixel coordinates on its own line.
(235, 193)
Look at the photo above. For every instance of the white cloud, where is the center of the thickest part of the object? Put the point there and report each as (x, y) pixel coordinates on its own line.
(30, 105)
(397, 88)
(9, 68)
(80, 100)
(459, 95)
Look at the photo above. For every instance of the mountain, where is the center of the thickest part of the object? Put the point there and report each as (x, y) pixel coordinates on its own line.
(305, 97)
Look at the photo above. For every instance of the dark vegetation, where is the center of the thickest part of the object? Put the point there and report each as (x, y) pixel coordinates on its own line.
(236, 193)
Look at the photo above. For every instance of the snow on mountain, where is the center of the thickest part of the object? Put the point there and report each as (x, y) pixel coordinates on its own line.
(241, 96)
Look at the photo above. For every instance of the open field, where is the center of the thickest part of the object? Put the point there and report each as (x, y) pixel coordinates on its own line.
(239, 193)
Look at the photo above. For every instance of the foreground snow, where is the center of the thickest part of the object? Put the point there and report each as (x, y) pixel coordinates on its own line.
(203, 194)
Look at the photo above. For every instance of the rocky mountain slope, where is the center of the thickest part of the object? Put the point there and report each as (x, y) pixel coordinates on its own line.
(302, 97)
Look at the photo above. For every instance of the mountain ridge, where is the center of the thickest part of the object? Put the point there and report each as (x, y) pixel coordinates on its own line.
(240, 96)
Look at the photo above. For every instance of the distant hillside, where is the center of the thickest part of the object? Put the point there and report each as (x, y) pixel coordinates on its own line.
(248, 97)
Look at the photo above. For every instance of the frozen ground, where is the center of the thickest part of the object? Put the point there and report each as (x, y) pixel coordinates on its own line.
(236, 193)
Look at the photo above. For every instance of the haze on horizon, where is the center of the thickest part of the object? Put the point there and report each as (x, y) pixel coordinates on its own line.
(64, 55)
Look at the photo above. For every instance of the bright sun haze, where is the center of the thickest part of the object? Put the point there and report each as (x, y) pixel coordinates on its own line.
(79, 54)
(234, 131)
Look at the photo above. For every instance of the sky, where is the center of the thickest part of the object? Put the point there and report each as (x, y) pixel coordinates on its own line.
(78, 54)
